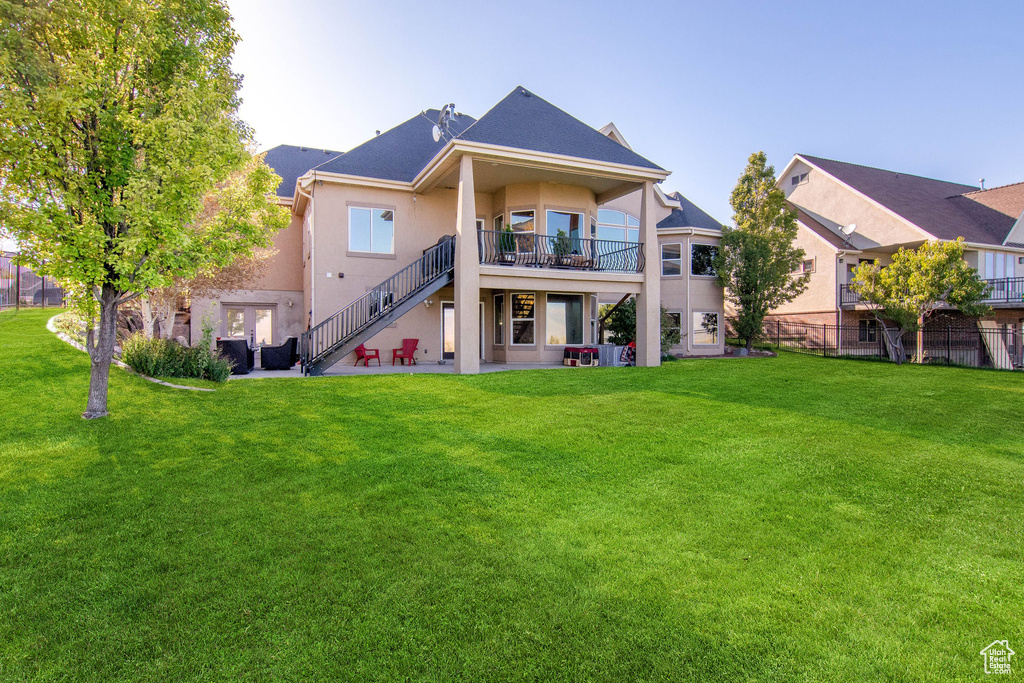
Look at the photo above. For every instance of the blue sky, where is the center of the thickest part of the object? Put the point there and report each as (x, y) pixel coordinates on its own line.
(931, 88)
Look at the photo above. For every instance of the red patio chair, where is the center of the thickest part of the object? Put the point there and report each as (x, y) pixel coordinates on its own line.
(366, 355)
(408, 350)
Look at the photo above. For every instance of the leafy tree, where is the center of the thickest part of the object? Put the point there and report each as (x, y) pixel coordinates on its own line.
(756, 260)
(117, 122)
(621, 325)
(916, 283)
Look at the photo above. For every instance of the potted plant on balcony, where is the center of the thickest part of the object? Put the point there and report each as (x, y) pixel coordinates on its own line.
(507, 246)
(561, 246)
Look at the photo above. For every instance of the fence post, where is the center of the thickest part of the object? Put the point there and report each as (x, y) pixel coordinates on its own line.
(42, 300)
(778, 333)
(17, 289)
(949, 345)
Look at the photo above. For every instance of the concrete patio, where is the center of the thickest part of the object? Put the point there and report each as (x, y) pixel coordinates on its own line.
(432, 367)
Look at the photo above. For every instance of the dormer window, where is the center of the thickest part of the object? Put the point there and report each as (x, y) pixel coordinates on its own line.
(798, 179)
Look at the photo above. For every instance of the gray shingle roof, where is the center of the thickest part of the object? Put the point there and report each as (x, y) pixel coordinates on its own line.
(290, 162)
(525, 121)
(400, 153)
(936, 206)
(688, 215)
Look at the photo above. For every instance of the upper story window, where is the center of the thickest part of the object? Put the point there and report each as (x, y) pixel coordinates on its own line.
(798, 179)
(371, 230)
(997, 265)
(671, 259)
(567, 221)
(521, 221)
(617, 226)
(499, 222)
(702, 259)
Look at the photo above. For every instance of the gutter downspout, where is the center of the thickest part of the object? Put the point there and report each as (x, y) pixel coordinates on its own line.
(312, 250)
(839, 305)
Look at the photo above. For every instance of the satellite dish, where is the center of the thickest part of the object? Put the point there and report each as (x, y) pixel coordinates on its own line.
(848, 229)
(436, 131)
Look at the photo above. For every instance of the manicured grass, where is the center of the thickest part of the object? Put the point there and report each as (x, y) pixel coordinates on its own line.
(786, 518)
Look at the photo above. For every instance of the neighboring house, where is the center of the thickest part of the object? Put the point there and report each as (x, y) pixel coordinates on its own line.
(848, 214)
(549, 217)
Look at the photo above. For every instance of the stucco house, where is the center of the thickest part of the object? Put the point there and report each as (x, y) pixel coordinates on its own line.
(848, 213)
(488, 240)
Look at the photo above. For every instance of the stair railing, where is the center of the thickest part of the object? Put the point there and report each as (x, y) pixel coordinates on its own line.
(324, 338)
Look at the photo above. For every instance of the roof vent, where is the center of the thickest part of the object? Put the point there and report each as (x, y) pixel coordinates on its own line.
(982, 183)
(377, 133)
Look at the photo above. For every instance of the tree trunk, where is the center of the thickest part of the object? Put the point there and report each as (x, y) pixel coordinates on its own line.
(920, 340)
(750, 344)
(148, 319)
(894, 343)
(101, 351)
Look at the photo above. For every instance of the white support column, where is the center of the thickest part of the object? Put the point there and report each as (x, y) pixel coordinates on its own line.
(648, 302)
(467, 275)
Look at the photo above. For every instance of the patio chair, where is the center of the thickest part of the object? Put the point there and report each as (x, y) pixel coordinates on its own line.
(366, 355)
(280, 357)
(408, 351)
(238, 354)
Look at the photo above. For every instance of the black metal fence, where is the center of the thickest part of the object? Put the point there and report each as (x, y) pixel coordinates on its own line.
(991, 346)
(20, 287)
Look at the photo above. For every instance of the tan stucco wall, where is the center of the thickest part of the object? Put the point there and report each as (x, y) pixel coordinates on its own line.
(289, 320)
(284, 269)
(821, 293)
(687, 294)
(823, 195)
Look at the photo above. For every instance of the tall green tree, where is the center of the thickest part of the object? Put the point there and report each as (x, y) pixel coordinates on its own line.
(118, 129)
(756, 260)
(914, 285)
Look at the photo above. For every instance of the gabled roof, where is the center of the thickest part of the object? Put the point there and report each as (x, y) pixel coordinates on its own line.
(943, 209)
(290, 162)
(400, 153)
(1007, 199)
(688, 215)
(525, 121)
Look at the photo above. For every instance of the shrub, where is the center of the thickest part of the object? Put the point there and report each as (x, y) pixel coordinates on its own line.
(166, 358)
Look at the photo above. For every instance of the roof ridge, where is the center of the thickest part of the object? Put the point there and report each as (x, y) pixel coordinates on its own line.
(990, 189)
(886, 170)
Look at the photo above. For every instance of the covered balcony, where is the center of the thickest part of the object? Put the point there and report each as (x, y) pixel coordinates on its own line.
(530, 250)
(1006, 292)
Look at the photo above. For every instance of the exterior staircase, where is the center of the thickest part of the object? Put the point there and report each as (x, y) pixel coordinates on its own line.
(337, 336)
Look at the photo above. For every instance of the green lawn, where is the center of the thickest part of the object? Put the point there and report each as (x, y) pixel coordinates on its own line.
(788, 518)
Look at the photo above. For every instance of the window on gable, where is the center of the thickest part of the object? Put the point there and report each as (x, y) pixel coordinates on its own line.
(808, 265)
(798, 179)
(371, 230)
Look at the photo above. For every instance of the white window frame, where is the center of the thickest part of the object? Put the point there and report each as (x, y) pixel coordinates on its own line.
(581, 214)
(692, 274)
(533, 212)
(625, 226)
(583, 328)
(513, 319)
(694, 332)
(680, 259)
(371, 209)
(499, 322)
(681, 315)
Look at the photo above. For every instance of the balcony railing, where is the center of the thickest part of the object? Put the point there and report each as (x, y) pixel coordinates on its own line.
(1006, 290)
(848, 297)
(546, 251)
